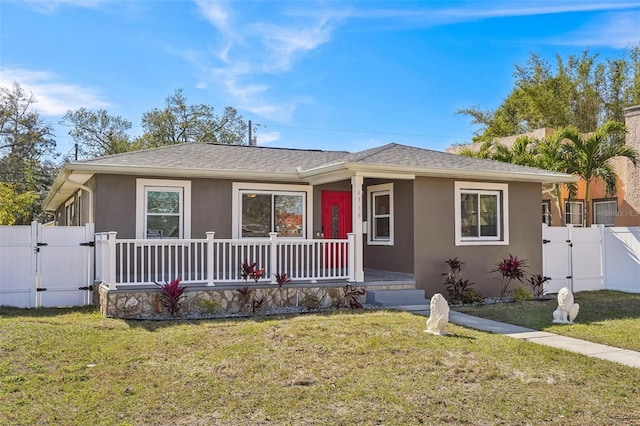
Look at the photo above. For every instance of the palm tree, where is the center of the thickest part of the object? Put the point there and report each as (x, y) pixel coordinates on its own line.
(589, 157)
(549, 155)
(484, 151)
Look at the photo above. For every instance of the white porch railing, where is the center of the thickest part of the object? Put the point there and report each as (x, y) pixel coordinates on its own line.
(130, 262)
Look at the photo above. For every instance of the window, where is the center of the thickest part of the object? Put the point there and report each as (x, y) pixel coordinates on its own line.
(546, 212)
(259, 209)
(163, 208)
(70, 211)
(264, 212)
(380, 200)
(605, 212)
(573, 213)
(481, 213)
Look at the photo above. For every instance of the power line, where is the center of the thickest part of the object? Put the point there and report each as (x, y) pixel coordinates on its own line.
(326, 129)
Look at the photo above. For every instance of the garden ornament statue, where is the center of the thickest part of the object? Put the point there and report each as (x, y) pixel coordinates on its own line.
(439, 315)
(567, 310)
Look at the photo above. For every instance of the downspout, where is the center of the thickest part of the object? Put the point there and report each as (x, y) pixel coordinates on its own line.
(89, 191)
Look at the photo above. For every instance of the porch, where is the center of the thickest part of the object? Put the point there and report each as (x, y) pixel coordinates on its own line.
(318, 270)
(126, 263)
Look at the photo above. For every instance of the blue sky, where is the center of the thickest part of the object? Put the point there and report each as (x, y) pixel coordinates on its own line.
(327, 75)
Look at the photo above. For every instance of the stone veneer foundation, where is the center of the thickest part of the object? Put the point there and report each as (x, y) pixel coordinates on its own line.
(219, 302)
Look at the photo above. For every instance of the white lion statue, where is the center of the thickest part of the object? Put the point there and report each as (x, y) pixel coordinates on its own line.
(567, 310)
(439, 315)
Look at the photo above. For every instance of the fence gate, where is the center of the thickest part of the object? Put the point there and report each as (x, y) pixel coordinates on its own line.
(572, 257)
(46, 266)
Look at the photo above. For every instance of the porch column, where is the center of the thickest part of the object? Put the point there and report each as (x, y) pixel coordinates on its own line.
(273, 257)
(210, 235)
(356, 220)
(111, 262)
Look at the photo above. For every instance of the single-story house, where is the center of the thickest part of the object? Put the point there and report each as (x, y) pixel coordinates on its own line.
(405, 209)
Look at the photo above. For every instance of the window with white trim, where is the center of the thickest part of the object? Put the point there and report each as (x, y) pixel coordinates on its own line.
(380, 220)
(259, 209)
(546, 212)
(481, 216)
(163, 208)
(70, 211)
(573, 213)
(605, 212)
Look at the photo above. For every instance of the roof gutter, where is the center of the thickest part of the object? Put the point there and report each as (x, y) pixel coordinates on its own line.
(89, 191)
(361, 168)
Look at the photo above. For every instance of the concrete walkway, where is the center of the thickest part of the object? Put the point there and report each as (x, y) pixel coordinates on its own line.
(596, 350)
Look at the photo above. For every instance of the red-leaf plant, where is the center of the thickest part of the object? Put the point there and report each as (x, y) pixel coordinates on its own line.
(251, 271)
(282, 279)
(171, 295)
(510, 268)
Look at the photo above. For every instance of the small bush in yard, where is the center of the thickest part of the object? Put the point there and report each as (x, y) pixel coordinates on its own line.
(521, 294)
(458, 289)
(210, 305)
(470, 295)
(171, 295)
(310, 301)
(536, 282)
(510, 268)
(351, 295)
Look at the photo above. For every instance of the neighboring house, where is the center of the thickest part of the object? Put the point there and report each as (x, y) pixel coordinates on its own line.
(623, 209)
(407, 209)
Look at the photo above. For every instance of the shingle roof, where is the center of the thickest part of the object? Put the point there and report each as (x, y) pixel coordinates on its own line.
(221, 157)
(409, 156)
(197, 156)
(290, 165)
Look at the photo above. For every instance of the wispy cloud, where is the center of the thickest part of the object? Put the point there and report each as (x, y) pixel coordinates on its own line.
(50, 6)
(53, 97)
(617, 30)
(439, 13)
(248, 52)
(265, 138)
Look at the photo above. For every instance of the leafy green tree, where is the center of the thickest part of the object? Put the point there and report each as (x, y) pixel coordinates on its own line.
(579, 91)
(179, 122)
(14, 206)
(97, 133)
(589, 157)
(26, 153)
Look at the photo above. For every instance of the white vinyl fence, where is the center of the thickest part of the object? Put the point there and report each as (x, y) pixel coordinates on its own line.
(593, 258)
(45, 266)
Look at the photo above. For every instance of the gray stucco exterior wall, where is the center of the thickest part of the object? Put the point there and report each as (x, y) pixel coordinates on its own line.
(400, 256)
(116, 206)
(435, 238)
(115, 202)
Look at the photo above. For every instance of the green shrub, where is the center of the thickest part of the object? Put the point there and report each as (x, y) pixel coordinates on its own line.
(521, 294)
(470, 295)
(310, 301)
(210, 305)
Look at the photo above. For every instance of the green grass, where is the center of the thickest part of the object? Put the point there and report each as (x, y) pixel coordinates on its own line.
(607, 317)
(74, 367)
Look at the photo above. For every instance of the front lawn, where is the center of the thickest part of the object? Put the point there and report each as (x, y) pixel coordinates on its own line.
(607, 317)
(366, 367)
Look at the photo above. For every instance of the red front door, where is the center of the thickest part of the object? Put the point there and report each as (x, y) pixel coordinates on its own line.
(336, 224)
(336, 214)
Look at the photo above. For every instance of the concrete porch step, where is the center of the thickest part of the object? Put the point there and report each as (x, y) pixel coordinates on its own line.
(397, 297)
